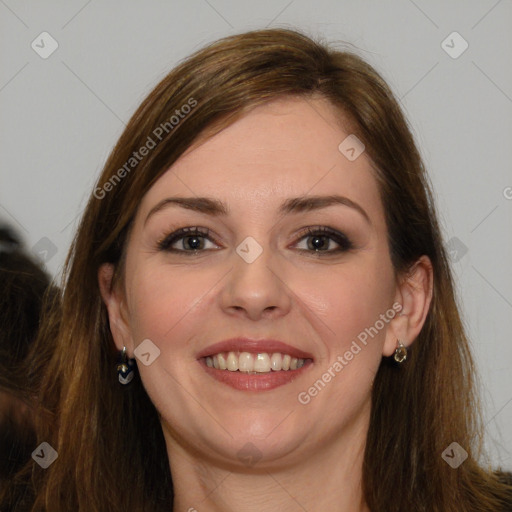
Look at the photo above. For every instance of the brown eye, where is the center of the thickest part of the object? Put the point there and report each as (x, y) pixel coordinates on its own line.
(320, 239)
(190, 239)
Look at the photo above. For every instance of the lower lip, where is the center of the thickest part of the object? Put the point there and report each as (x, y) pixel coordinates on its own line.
(255, 381)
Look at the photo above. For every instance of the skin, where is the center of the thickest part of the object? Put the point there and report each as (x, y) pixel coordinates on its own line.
(310, 456)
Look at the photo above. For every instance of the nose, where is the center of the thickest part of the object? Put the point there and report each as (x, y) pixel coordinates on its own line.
(256, 289)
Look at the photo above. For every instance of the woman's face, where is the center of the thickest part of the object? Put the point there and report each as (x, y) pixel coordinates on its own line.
(252, 270)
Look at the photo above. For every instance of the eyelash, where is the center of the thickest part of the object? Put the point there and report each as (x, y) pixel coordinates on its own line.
(340, 238)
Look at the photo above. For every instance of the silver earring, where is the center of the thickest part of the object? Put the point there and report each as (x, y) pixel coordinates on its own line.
(125, 367)
(400, 352)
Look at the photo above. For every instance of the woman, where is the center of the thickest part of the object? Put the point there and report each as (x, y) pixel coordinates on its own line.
(262, 256)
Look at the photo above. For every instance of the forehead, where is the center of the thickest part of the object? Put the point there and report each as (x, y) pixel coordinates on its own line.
(285, 148)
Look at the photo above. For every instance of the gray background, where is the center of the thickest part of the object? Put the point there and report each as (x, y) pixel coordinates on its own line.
(60, 117)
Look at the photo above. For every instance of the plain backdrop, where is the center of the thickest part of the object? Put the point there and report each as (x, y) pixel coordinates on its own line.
(61, 115)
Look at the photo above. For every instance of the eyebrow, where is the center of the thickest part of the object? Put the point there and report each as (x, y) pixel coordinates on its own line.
(215, 207)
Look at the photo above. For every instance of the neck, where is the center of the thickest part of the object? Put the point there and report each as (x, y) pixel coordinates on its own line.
(326, 479)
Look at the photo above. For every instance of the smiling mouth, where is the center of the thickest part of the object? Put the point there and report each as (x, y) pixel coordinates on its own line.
(254, 363)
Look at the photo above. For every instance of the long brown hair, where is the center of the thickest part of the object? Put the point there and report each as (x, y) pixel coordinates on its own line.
(111, 450)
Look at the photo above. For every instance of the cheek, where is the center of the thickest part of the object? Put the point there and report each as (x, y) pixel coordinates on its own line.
(349, 300)
(161, 298)
(352, 298)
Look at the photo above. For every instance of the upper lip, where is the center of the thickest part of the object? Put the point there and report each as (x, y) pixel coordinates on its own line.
(254, 346)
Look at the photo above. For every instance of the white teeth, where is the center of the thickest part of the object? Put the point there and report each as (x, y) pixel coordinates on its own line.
(276, 362)
(262, 363)
(245, 362)
(254, 363)
(232, 362)
(222, 362)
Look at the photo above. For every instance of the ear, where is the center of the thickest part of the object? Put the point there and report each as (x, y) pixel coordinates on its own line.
(414, 293)
(114, 300)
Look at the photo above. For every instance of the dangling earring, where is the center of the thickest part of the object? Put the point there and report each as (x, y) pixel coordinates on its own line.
(400, 352)
(125, 368)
